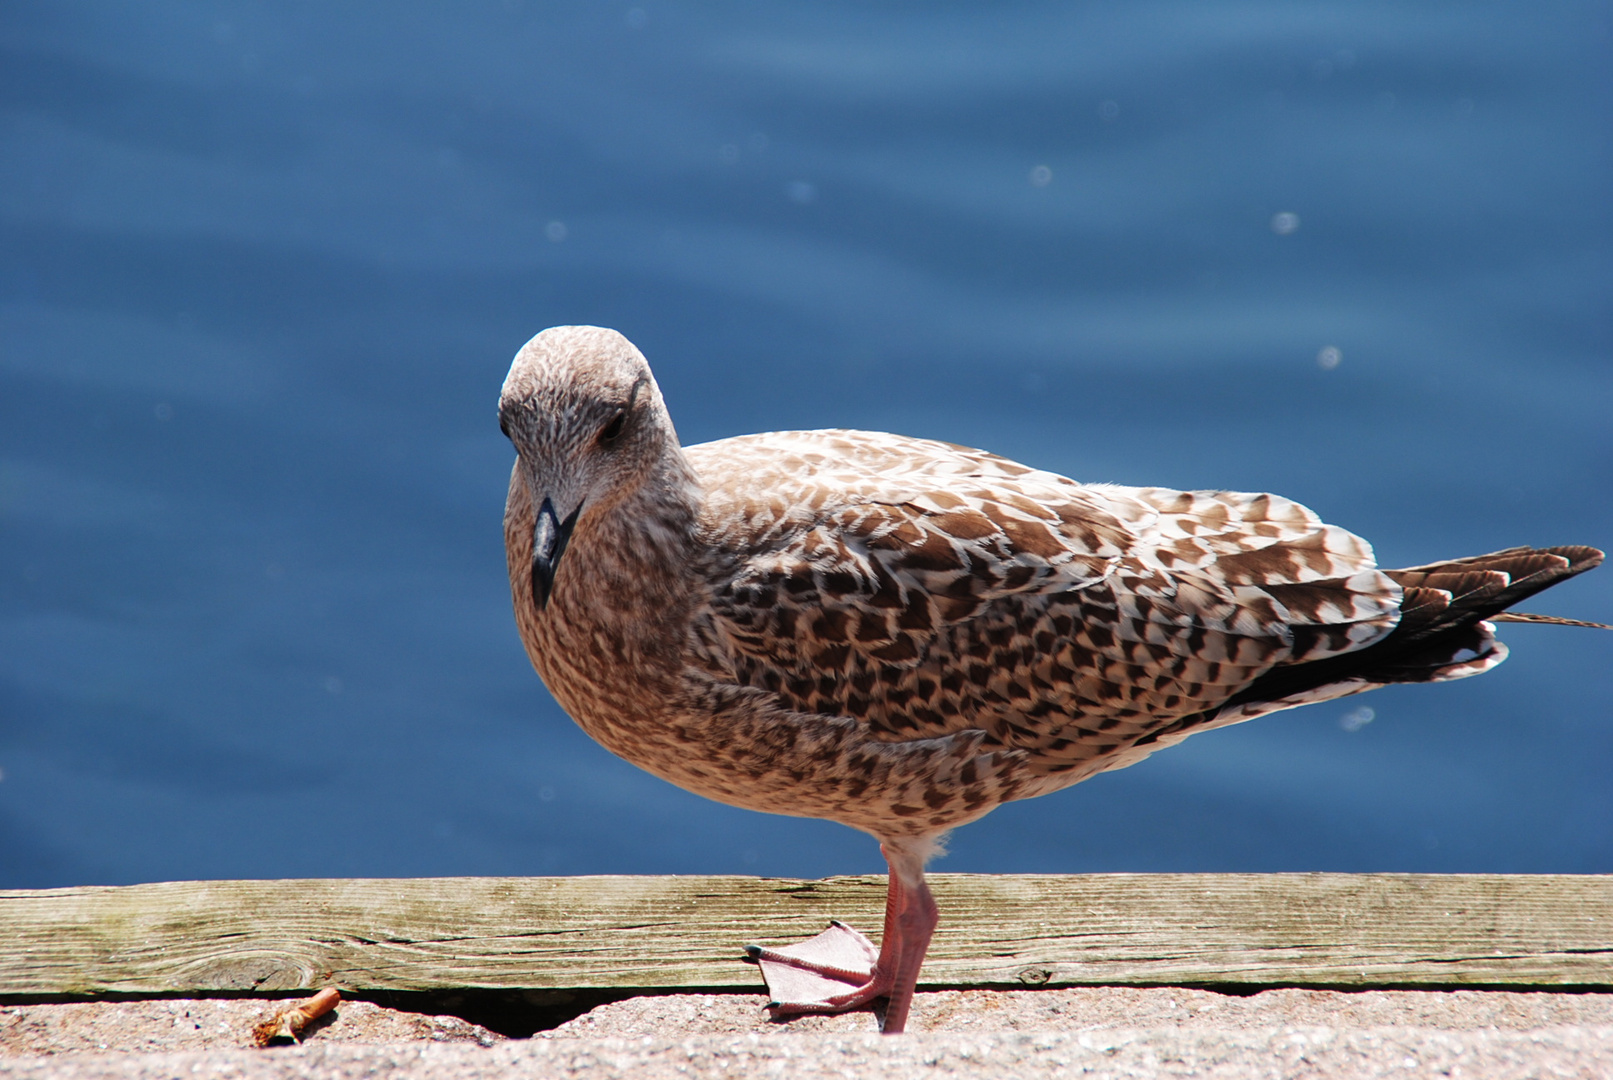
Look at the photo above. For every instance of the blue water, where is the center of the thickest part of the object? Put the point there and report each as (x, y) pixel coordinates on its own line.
(263, 267)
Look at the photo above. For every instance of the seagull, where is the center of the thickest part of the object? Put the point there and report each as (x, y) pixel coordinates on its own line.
(900, 635)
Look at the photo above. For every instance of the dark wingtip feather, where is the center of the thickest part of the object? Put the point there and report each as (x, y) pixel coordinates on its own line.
(1579, 556)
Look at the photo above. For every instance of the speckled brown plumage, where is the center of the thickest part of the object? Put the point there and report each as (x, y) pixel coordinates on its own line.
(900, 634)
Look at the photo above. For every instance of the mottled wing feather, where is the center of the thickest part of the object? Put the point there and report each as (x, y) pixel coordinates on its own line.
(860, 548)
(925, 589)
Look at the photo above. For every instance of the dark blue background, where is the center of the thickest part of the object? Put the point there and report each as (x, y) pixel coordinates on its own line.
(263, 266)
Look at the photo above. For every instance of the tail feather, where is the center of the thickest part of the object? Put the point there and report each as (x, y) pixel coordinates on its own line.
(1443, 632)
(1484, 585)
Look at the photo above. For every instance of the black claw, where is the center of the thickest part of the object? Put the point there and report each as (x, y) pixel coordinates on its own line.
(837, 922)
(753, 951)
(773, 1005)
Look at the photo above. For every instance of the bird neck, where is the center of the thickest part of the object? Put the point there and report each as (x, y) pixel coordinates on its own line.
(621, 599)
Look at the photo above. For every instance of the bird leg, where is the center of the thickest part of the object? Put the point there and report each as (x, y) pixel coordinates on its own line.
(839, 969)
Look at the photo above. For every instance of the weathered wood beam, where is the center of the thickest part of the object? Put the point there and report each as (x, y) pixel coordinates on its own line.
(685, 932)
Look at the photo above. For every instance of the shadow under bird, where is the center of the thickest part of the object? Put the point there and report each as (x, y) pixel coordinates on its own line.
(900, 635)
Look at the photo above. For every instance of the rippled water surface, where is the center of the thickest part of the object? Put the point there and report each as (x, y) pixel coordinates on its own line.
(263, 267)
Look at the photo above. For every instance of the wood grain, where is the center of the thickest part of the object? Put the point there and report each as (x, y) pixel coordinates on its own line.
(686, 932)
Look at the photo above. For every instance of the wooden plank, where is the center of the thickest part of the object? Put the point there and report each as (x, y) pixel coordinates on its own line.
(686, 932)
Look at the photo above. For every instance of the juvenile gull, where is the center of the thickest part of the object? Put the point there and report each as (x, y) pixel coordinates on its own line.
(900, 634)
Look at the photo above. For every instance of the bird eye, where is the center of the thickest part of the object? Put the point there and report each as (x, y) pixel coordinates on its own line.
(613, 430)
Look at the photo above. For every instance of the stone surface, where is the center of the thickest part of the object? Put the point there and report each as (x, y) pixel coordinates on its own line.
(208, 1023)
(1105, 1032)
(1582, 1053)
(1083, 1008)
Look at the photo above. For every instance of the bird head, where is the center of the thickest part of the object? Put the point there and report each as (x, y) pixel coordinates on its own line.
(589, 428)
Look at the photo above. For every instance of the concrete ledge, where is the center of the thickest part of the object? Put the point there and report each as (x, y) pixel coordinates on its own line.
(1097, 1055)
(1089, 1031)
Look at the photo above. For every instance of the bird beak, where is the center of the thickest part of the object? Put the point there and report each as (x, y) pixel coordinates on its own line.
(549, 538)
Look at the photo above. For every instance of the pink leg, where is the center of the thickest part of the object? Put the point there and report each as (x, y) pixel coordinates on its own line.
(832, 972)
(916, 917)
